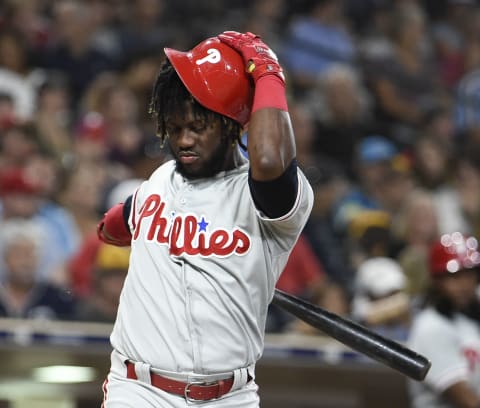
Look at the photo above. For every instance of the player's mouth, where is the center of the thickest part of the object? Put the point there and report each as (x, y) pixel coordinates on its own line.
(187, 157)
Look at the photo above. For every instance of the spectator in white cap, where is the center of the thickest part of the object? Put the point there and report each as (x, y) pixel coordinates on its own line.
(380, 301)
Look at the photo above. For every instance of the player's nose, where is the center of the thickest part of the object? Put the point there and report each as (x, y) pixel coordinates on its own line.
(185, 138)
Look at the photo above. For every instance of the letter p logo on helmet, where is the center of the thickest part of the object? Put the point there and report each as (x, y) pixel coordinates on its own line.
(213, 57)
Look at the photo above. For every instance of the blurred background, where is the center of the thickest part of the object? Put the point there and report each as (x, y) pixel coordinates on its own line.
(384, 97)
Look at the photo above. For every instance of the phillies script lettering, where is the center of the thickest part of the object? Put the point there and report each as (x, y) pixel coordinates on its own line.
(473, 357)
(185, 234)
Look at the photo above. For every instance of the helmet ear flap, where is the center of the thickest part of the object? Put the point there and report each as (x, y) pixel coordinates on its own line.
(215, 75)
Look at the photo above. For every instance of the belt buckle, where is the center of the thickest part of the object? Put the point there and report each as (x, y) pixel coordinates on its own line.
(186, 392)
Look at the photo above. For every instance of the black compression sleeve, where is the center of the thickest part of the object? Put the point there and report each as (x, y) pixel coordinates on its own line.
(127, 205)
(276, 197)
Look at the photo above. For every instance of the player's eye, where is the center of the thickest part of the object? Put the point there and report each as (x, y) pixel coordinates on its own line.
(198, 127)
(172, 130)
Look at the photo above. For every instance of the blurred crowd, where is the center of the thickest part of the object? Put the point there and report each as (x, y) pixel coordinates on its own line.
(384, 97)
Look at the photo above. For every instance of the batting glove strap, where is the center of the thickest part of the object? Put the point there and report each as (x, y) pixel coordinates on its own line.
(260, 60)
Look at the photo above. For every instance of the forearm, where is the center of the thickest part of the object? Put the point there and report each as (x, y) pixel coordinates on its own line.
(462, 396)
(271, 146)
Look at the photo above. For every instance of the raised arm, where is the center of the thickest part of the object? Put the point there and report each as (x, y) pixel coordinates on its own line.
(271, 145)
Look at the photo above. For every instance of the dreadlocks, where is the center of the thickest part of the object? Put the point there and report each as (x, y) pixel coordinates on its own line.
(169, 96)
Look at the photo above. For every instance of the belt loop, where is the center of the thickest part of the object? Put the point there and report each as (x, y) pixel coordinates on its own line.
(143, 372)
(240, 378)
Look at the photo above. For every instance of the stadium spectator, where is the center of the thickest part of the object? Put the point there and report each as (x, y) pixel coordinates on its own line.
(7, 111)
(16, 78)
(439, 124)
(107, 277)
(380, 301)
(30, 19)
(137, 75)
(303, 124)
(305, 277)
(467, 116)
(467, 183)
(434, 167)
(148, 28)
(316, 39)
(444, 332)
(417, 229)
(71, 49)
(267, 18)
(372, 20)
(369, 236)
(22, 198)
(53, 117)
(450, 36)
(341, 107)
(82, 263)
(83, 195)
(22, 294)
(18, 142)
(383, 179)
(405, 84)
(330, 185)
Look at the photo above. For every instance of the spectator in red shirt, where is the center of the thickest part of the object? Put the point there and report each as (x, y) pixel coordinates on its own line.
(304, 277)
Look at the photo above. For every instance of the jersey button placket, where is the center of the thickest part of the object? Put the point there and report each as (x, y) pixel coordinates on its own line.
(182, 200)
(188, 188)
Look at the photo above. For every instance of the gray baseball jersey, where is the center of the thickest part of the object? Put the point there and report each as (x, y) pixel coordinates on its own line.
(203, 267)
(453, 347)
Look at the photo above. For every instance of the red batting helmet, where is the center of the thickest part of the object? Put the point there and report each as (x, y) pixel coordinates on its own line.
(214, 74)
(453, 252)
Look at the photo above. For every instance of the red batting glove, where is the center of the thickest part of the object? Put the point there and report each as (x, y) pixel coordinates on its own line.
(259, 58)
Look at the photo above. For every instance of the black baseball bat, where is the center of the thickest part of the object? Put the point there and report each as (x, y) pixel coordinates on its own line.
(356, 336)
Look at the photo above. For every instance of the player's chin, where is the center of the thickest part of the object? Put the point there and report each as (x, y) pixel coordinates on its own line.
(192, 171)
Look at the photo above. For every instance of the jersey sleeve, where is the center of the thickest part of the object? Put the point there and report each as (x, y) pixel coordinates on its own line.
(438, 341)
(279, 235)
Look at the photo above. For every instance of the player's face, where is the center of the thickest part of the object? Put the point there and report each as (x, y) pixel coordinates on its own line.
(460, 287)
(196, 145)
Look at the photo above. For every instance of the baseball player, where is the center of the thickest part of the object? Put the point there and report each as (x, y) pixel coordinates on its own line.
(445, 333)
(210, 231)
